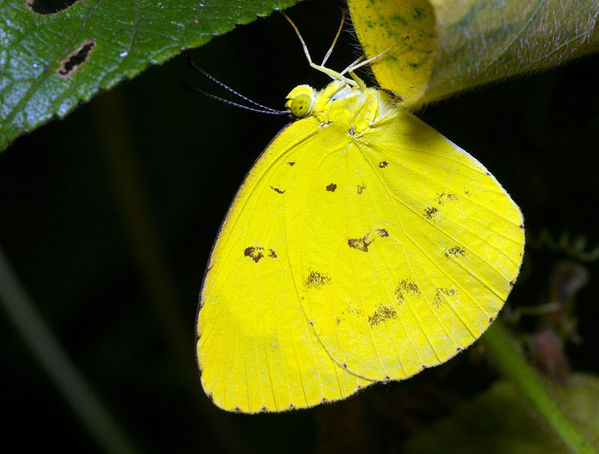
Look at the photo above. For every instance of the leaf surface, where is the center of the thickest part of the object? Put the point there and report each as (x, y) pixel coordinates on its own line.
(436, 48)
(55, 54)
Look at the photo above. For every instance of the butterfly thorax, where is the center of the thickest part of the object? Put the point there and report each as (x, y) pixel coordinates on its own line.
(342, 104)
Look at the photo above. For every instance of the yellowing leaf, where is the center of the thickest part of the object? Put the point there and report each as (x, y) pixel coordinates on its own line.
(439, 47)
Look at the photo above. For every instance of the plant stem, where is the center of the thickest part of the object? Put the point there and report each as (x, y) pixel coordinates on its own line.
(511, 362)
(57, 364)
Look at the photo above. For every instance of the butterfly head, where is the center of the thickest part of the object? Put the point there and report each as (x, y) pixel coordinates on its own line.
(300, 101)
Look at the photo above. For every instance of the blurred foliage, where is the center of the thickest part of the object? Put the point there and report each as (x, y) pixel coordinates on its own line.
(500, 421)
(66, 233)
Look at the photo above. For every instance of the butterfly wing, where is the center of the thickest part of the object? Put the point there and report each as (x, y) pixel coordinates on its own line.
(407, 248)
(256, 349)
(355, 251)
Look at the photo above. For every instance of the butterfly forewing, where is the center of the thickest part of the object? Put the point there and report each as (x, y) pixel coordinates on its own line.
(256, 349)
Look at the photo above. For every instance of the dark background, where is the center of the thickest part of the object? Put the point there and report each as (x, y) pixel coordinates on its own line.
(108, 217)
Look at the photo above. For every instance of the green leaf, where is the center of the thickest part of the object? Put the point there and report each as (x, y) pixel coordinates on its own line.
(55, 53)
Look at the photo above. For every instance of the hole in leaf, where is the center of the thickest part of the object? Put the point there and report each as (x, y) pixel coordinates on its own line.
(70, 64)
(45, 7)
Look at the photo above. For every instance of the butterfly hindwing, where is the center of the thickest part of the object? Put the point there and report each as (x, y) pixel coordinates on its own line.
(410, 247)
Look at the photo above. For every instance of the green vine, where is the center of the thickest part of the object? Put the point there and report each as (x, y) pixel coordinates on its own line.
(512, 364)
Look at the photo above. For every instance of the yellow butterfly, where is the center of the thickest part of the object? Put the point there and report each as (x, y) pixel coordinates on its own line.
(363, 246)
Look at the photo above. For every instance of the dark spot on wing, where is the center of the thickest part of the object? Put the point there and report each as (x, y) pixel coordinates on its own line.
(382, 232)
(316, 280)
(277, 190)
(440, 293)
(404, 287)
(331, 187)
(511, 283)
(77, 58)
(257, 252)
(429, 212)
(381, 315)
(459, 349)
(254, 252)
(351, 131)
(455, 251)
(409, 286)
(337, 320)
(444, 197)
(521, 226)
(399, 295)
(351, 309)
(360, 188)
(291, 163)
(237, 410)
(383, 164)
(491, 320)
(360, 244)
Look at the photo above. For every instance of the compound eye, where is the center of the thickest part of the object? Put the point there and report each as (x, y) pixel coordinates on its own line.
(300, 105)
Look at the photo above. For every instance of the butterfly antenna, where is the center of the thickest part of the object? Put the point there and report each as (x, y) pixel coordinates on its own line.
(330, 51)
(229, 89)
(268, 111)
